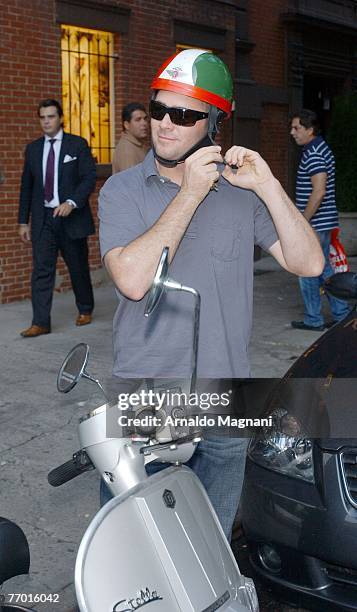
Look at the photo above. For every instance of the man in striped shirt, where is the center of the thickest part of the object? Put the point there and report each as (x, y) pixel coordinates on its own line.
(315, 198)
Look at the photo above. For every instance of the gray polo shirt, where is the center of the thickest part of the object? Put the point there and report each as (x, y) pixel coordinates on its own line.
(215, 257)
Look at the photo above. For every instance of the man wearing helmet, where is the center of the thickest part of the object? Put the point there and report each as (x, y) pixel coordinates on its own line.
(186, 195)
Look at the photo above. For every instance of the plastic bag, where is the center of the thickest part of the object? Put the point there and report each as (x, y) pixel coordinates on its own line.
(338, 257)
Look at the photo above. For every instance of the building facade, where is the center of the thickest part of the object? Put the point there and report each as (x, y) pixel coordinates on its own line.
(97, 55)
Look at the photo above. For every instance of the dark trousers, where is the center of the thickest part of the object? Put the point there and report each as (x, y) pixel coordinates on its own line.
(45, 248)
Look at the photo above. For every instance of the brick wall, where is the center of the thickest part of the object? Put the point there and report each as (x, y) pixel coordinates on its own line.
(31, 70)
(274, 134)
(268, 33)
(268, 63)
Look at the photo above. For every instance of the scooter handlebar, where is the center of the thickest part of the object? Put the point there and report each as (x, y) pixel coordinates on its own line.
(79, 463)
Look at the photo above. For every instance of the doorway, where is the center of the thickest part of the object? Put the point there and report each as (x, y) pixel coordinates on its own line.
(318, 95)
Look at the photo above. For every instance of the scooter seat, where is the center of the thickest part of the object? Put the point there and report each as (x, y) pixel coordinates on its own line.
(14, 551)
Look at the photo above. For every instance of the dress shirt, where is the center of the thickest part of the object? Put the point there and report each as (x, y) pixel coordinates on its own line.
(46, 149)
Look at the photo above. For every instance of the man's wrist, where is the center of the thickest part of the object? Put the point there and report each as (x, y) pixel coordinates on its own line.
(189, 198)
(270, 188)
(71, 203)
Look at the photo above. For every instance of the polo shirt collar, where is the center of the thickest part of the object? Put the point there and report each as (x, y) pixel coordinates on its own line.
(313, 143)
(150, 168)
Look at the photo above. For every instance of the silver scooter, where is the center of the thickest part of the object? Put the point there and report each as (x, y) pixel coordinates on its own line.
(157, 542)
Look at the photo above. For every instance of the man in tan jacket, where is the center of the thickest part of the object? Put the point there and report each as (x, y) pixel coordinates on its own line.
(131, 148)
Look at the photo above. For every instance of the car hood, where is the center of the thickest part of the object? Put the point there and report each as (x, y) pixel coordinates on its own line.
(333, 354)
(317, 396)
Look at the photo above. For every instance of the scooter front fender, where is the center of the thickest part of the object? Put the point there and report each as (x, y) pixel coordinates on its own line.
(159, 544)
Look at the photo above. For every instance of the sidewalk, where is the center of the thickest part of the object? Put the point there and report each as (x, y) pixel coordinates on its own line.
(277, 301)
(38, 425)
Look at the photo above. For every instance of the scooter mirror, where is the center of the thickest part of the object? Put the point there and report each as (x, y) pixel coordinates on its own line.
(342, 285)
(73, 368)
(161, 283)
(158, 284)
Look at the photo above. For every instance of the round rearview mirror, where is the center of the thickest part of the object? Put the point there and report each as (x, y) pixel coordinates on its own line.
(73, 368)
(161, 283)
(158, 285)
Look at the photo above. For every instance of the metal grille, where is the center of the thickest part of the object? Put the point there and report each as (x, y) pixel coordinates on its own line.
(87, 85)
(342, 575)
(348, 466)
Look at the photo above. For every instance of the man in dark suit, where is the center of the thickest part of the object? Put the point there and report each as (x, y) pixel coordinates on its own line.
(58, 177)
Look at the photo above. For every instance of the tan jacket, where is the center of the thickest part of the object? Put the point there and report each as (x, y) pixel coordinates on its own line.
(129, 152)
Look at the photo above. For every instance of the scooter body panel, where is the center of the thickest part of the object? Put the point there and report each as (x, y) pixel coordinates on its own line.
(167, 530)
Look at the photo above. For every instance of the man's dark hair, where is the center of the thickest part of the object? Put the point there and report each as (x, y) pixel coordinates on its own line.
(50, 102)
(129, 109)
(308, 119)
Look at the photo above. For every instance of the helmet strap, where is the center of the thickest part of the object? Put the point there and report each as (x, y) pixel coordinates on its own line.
(215, 116)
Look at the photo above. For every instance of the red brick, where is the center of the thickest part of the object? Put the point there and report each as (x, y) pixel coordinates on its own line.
(31, 70)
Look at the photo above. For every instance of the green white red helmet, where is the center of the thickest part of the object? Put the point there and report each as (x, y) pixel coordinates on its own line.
(198, 74)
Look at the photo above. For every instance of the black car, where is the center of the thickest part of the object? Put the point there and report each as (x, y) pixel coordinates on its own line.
(299, 502)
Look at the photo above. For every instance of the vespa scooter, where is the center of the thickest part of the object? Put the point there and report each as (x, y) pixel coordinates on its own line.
(158, 542)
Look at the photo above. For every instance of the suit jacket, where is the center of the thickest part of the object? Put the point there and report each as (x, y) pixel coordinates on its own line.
(76, 181)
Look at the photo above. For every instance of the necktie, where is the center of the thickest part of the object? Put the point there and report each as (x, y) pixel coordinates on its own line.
(50, 172)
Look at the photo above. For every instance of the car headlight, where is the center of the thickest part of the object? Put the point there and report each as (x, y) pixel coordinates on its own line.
(283, 448)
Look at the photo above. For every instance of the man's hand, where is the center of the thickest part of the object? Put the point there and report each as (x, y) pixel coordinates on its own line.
(133, 267)
(318, 193)
(63, 210)
(25, 233)
(201, 172)
(252, 173)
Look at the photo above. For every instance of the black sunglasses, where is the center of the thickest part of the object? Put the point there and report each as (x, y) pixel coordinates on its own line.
(178, 116)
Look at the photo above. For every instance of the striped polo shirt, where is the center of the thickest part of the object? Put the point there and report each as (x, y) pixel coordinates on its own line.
(317, 157)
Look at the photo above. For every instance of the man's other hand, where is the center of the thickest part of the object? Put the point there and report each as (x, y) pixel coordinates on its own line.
(252, 171)
(25, 233)
(201, 172)
(63, 210)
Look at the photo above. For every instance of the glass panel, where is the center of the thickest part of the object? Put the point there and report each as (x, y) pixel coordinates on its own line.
(87, 75)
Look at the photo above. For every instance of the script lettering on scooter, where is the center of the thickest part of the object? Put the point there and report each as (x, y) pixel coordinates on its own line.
(144, 598)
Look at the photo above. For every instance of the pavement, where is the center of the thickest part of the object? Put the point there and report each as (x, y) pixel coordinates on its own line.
(38, 425)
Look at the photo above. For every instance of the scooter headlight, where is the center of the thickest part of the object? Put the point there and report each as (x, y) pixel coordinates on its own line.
(248, 594)
(283, 448)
